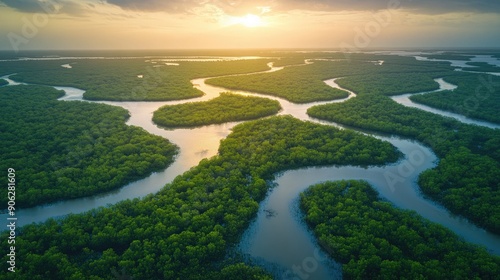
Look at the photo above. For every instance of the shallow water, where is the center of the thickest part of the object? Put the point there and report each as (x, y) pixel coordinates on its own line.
(405, 100)
(282, 238)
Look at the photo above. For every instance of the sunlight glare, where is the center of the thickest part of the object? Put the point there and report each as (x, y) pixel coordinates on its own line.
(250, 20)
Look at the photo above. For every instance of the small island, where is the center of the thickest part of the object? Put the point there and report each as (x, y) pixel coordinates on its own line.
(228, 107)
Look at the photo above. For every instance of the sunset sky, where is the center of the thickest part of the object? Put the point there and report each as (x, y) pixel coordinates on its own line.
(181, 24)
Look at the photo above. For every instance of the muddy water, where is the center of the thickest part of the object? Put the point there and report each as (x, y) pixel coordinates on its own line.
(280, 238)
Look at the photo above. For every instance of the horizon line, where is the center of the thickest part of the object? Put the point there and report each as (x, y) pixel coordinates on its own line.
(264, 49)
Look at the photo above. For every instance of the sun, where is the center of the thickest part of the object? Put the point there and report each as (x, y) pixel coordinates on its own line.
(250, 20)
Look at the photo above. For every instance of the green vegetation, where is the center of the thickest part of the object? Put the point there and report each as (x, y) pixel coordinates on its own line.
(3, 82)
(481, 67)
(390, 83)
(299, 58)
(374, 240)
(227, 107)
(119, 79)
(466, 179)
(302, 84)
(477, 96)
(63, 150)
(449, 56)
(397, 75)
(289, 60)
(299, 84)
(183, 231)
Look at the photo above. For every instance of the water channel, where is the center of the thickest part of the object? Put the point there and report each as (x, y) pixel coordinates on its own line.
(280, 240)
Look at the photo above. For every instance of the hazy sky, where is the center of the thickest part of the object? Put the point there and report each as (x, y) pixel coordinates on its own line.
(180, 24)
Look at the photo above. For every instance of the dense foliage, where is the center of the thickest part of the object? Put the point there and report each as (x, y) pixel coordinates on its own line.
(477, 96)
(374, 240)
(63, 150)
(302, 84)
(481, 67)
(227, 107)
(390, 83)
(3, 82)
(289, 60)
(466, 178)
(299, 84)
(449, 56)
(127, 79)
(183, 231)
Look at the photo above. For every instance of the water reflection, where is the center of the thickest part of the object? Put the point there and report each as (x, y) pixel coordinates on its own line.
(281, 238)
(405, 100)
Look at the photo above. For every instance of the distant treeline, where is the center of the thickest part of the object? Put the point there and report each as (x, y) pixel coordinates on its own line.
(390, 83)
(481, 67)
(132, 79)
(299, 84)
(449, 56)
(304, 83)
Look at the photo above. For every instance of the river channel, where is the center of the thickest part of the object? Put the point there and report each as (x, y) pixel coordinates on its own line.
(281, 240)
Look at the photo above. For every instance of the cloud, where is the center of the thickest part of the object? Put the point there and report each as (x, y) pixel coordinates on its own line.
(46, 6)
(175, 6)
(240, 7)
(230, 7)
(29, 6)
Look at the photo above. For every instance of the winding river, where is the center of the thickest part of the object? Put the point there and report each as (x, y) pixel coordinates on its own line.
(404, 99)
(278, 238)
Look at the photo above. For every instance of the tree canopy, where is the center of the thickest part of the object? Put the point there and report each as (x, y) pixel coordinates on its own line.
(466, 178)
(127, 79)
(227, 107)
(183, 231)
(477, 96)
(372, 239)
(62, 150)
